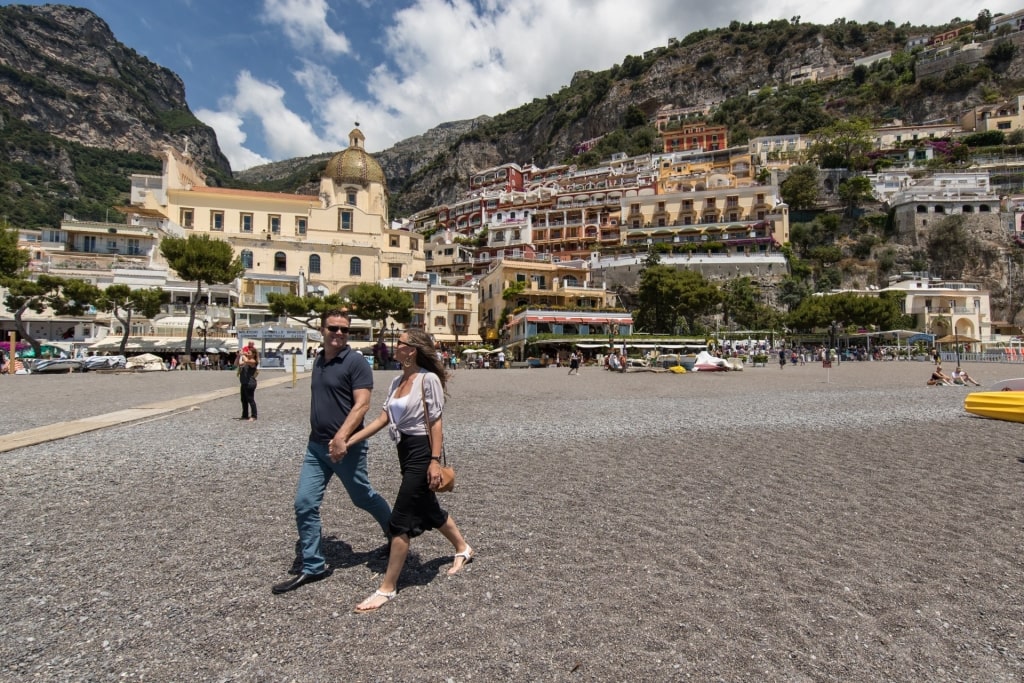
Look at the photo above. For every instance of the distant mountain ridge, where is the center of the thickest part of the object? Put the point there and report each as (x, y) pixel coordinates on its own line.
(64, 74)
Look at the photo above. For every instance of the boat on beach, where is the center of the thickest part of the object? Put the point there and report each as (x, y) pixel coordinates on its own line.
(56, 365)
(99, 363)
(1003, 401)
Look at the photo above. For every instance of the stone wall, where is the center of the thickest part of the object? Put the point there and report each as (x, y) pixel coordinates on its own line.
(912, 228)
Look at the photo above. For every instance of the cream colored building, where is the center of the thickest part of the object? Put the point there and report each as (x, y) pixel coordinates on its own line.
(291, 243)
(449, 313)
(944, 307)
(1004, 116)
(565, 286)
(732, 213)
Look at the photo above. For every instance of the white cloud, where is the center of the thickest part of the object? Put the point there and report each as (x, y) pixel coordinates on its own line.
(231, 138)
(456, 59)
(285, 133)
(305, 24)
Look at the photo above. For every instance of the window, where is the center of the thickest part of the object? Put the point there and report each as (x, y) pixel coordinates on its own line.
(314, 263)
(395, 271)
(246, 257)
(344, 220)
(134, 248)
(439, 321)
(274, 223)
(395, 241)
(89, 243)
(355, 267)
(261, 292)
(300, 225)
(245, 222)
(442, 299)
(280, 261)
(187, 219)
(350, 197)
(216, 220)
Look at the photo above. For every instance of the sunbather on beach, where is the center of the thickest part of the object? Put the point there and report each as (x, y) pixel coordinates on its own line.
(939, 378)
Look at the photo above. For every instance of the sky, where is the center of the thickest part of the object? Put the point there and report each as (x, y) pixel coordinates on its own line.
(278, 79)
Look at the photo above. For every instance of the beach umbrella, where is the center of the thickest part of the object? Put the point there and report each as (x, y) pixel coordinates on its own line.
(957, 339)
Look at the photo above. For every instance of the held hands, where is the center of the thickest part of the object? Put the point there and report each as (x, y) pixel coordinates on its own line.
(337, 448)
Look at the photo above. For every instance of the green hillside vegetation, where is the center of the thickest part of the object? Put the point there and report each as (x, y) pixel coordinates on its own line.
(31, 168)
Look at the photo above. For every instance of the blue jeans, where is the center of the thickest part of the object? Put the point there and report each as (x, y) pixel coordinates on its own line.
(317, 469)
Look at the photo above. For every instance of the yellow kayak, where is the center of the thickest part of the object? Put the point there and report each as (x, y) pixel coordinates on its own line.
(998, 405)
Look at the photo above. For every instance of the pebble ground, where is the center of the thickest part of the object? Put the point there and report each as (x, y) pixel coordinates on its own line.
(765, 525)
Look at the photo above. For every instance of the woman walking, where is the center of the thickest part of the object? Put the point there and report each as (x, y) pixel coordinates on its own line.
(413, 410)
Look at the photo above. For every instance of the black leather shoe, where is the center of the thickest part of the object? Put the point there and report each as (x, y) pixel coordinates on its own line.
(293, 583)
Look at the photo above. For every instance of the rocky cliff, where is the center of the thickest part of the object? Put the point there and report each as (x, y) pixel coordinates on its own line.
(64, 73)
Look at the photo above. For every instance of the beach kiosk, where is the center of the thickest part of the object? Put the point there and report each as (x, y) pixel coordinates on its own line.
(278, 345)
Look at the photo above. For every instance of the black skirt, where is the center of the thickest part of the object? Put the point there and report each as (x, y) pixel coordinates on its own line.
(416, 509)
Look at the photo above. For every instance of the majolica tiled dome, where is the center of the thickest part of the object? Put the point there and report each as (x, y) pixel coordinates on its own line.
(354, 165)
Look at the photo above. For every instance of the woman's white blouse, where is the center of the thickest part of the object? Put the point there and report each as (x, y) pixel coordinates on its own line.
(405, 414)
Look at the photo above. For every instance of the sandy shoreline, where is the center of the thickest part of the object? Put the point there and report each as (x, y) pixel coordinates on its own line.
(753, 526)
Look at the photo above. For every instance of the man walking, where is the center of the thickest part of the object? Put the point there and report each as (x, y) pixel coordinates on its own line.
(341, 386)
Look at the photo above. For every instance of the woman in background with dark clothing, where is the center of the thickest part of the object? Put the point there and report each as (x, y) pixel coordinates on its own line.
(247, 369)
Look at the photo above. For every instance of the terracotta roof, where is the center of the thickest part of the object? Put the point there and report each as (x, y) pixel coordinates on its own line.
(278, 196)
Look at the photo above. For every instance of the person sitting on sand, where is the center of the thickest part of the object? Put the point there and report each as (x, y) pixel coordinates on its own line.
(939, 379)
(960, 376)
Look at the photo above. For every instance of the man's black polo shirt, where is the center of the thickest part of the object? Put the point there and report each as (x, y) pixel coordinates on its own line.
(331, 392)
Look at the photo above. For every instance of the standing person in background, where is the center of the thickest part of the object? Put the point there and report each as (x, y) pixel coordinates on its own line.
(414, 405)
(248, 368)
(340, 396)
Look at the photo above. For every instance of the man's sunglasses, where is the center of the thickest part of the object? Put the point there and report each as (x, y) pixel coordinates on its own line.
(337, 328)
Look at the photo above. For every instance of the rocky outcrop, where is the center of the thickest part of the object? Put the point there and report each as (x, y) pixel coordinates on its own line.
(63, 72)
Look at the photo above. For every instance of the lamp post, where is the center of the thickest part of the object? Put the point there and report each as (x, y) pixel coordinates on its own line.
(952, 327)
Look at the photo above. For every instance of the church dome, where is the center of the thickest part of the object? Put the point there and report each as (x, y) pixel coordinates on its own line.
(354, 166)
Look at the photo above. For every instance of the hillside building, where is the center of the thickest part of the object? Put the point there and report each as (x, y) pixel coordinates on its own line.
(449, 313)
(695, 135)
(920, 205)
(1004, 116)
(564, 289)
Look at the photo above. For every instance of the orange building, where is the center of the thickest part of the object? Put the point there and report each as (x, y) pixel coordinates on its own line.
(697, 135)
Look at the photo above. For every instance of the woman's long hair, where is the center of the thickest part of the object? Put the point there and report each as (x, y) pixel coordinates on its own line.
(426, 356)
